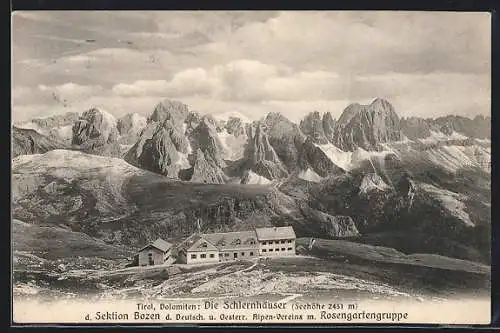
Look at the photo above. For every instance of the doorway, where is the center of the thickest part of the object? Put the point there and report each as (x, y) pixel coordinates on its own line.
(235, 255)
(150, 259)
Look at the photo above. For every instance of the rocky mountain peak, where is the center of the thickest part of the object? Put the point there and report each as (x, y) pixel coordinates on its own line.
(96, 132)
(366, 126)
(312, 126)
(169, 109)
(328, 126)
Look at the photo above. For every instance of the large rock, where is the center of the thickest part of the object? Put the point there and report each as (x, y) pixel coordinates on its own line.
(367, 126)
(312, 126)
(205, 138)
(28, 141)
(162, 146)
(206, 170)
(96, 133)
(259, 148)
(328, 126)
(286, 139)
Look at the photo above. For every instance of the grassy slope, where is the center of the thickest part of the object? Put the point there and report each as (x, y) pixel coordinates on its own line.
(54, 243)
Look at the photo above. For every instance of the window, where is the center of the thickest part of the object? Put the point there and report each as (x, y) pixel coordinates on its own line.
(282, 249)
(150, 259)
(277, 250)
(289, 249)
(203, 244)
(203, 256)
(271, 242)
(251, 254)
(242, 254)
(263, 243)
(220, 254)
(193, 256)
(226, 254)
(270, 250)
(264, 250)
(289, 241)
(282, 242)
(212, 255)
(237, 242)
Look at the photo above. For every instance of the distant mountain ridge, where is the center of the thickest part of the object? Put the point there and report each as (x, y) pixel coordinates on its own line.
(411, 183)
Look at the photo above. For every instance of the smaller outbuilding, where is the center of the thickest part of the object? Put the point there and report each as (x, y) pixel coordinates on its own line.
(155, 253)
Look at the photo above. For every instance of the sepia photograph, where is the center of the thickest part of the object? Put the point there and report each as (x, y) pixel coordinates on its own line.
(251, 167)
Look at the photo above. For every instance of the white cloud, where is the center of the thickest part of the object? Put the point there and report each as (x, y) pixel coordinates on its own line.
(426, 64)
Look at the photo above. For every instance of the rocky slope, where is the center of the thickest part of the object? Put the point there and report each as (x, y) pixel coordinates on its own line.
(413, 184)
(95, 132)
(109, 199)
(28, 141)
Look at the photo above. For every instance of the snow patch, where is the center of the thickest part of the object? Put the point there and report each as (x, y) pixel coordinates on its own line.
(349, 160)
(233, 147)
(310, 175)
(254, 178)
(372, 182)
(183, 161)
(435, 137)
(339, 157)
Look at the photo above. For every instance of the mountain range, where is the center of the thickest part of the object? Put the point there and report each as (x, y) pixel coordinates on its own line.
(414, 184)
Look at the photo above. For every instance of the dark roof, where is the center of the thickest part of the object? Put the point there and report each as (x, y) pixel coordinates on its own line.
(275, 233)
(233, 240)
(160, 244)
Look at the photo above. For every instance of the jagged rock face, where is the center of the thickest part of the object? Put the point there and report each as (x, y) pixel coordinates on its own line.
(205, 137)
(286, 139)
(312, 126)
(160, 153)
(234, 126)
(259, 148)
(129, 127)
(95, 132)
(162, 141)
(367, 126)
(270, 170)
(27, 142)
(328, 126)
(174, 110)
(313, 157)
(206, 170)
(193, 119)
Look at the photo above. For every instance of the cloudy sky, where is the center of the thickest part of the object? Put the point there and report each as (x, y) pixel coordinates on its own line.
(426, 64)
